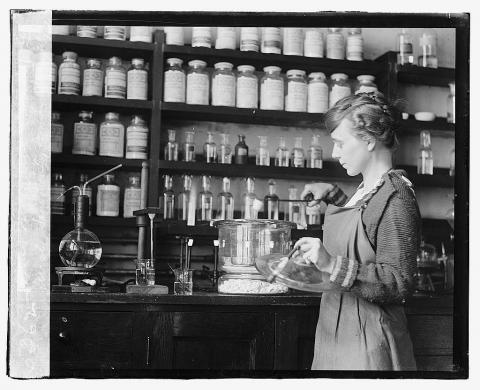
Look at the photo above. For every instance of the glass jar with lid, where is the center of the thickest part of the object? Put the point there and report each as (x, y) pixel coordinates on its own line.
(366, 84)
(317, 96)
(137, 139)
(292, 41)
(87, 31)
(247, 87)
(296, 97)
(313, 44)
(108, 197)
(272, 89)
(93, 78)
(354, 44)
(226, 38)
(115, 79)
(141, 34)
(339, 88)
(63, 29)
(85, 134)
(223, 85)
(271, 40)
(335, 44)
(118, 33)
(69, 74)
(249, 40)
(202, 37)
(451, 104)
(174, 35)
(57, 133)
(174, 81)
(111, 136)
(198, 83)
(137, 80)
(132, 196)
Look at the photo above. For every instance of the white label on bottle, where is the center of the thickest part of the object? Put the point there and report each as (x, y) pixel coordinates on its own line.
(317, 97)
(197, 88)
(226, 38)
(335, 46)
(174, 86)
(296, 99)
(92, 82)
(111, 140)
(338, 92)
(115, 32)
(201, 37)
(137, 84)
(84, 138)
(42, 84)
(108, 200)
(293, 41)
(131, 201)
(313, 44)
(242, 152)
(223, 90)
(271, 95)
(247, 92)
(355, 48)
(249, 39)
(140, 34)
(57, 138)
(366, 89)
(174, 36)
(137, 143)
(69, 80)
(298, 160)
(115, 84)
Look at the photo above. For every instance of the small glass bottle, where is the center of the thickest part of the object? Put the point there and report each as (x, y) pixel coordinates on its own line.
(271, 40)
(202, 37)
(189, 147)
(205, 200)
(223, 85)
(354, 44)
(297, 91)
(174, 81)
(118, 33)
(137, 80)
(247, 87)
(69, 74)
(174, 35)
(241, 151)
(54, 75)
(87, 31)
(451, 104)
(141, 34)
(271, 202)
(298, 154)
(263, 155)
(313, 214)
(425, 157)
(249, 40)
(405, 48)
(317, 96)
(57, 133)
(226, 38)
(93, 78)
(171, 148)
(225, 201)
(57, 206)
(137, 139)
(366, 83)
(115, 79)
(428, 49)
(225, 150)
(452, 162)
(85, 135)
(292, 41)
(293, 214)
(198, 83)
(249, 200)
(272, 89)
(111, 136)
(210, 149)
(335, 43)
(184, 198)
(88, 192)
(313, 45)
(108, 197)
(314, 159)
(167, 199)
(339, 88)
(281, 154)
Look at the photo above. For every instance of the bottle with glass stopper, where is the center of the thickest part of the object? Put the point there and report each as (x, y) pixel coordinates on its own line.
(225, 201)
(171, 148)
(293, 207)
(314, 159)
(281, 154)
(404, 48)
(298, 154)
(263, 155)
(167, 199)
(425, 156)
(225, 150)
(210, 149)
(241, 151)
(205, 200)
(189, 147)
(184, 198)
(271, 202)
(250, 201)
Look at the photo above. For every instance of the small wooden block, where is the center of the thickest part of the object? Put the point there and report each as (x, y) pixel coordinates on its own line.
(148, 290)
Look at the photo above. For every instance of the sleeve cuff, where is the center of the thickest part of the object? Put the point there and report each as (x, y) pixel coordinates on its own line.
(336, 196)
(344, 272)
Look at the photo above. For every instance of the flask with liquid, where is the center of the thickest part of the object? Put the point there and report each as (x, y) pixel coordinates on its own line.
(263, 155)
(167, 199)
(93, 78)
(87, 191)
(171, 148)
(210, 149)
(184, 198)
(404, 48)
(205, 200)
(223, 85)
(57, 205)
(111, 136)
(69, 74)
(425, 157)
(271, 202)
(298, 154)
(115, 79)
(132, 196)
(85, 135)
(224, 150)
(241, 151)
(225, 201)
(108, 197)
(137, 139)
(249, 200)
(57, 133)
(174, 81)
(281, 154)
(314, 159)
(189, 147)
(137, 80)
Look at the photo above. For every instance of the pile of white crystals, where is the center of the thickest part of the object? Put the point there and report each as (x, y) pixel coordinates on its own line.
(249, 286)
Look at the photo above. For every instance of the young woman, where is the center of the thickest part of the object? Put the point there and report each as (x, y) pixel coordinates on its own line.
(369, 244)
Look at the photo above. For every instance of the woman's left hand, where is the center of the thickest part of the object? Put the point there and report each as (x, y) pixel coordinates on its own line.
(314, 252)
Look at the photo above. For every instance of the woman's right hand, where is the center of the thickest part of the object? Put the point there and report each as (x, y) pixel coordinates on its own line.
(318, 190)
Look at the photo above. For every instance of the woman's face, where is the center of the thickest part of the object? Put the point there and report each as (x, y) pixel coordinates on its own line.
(351, 151)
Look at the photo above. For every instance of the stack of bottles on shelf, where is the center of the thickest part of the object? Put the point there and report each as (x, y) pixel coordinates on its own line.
(119, 33)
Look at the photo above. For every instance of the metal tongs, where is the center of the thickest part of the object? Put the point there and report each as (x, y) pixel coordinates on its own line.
(280, 267)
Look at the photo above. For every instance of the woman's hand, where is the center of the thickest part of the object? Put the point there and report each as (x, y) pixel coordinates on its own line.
(314, 252)
(318, 190)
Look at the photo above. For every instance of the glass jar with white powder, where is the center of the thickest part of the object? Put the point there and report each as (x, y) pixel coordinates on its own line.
(137, 80)
(137, 139)
(115, 79)
(85, 135)
(141, 34)
(313, 44)
(335, 44)
(93, 78)
(108, 197)
(69, 74)
(317, 99)
(249, 40)
(223, 85)
(339, 88)
(111, 136)
(271, 40)
(355, 44)
(202, 37)
(174, 81)
(292, 41)
(118, 33)
(272, 89)
(226, 38)
(296, 97)
(198, 83)
(247, 87)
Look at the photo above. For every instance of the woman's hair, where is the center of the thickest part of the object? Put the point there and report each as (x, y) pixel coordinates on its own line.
(373, 117)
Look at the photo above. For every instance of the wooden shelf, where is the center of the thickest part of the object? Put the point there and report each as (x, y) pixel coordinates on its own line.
(94, 221)
(74, 102)
(440, 177)
(438, 127)
(94, 162)
(412, 74)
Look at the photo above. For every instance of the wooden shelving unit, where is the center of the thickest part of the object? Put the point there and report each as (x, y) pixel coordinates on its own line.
(412, 74)
(94, 162)
(69, 102)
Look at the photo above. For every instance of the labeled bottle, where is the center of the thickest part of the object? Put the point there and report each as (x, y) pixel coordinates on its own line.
(115, 79)
(425, 157)
(249, 200)
(93, 78)
(241, 151)
(57, 133)
(210, 149)
(292, 41)
(61, 29)
(271, 40)
(249, 40)
(69, 74)
(132, 196)
(184, 198)
(226, 38)
(297, 91)
(137, 80)
(202, 37)
(141, 34)
(87, 31)
(108, 197)
(189, 146)
(272, 89)
(247, 87)
(428, 49)
(205, 200)
(298, 154)
(317, 93)
(111, 136)
(174, 81)
(335, 44)
(281, 154)
(54, 75)
(405, 48)
(354, 44)
(57, 203)
(167, 199)
(85, 135)
(174, 36)
(263, 155)
(314, 159)
(88, 192)
(171, 148)
(198, 83)
(137, 139)
(271, 202)
(366, 84)
(43, 81)
(225, 201)
(118, 33)
(451, 104)
(339, 88)
(313, 45)
(223, 85)
(293, 214)
(224, 150)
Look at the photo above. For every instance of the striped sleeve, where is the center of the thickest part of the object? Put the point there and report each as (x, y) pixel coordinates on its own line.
(344, 271)
(335, 196)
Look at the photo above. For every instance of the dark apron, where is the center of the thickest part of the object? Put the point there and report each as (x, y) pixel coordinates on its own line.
(352, 333)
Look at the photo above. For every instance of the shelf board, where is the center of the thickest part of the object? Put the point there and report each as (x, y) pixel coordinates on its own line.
(65, 102)
(101, 48)
(94, 162)
(439, 127)
(95, 221)
(440, 177)
(260, 60)
(412, 74)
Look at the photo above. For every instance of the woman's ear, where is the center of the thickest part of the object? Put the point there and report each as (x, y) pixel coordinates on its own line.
(371, 145)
